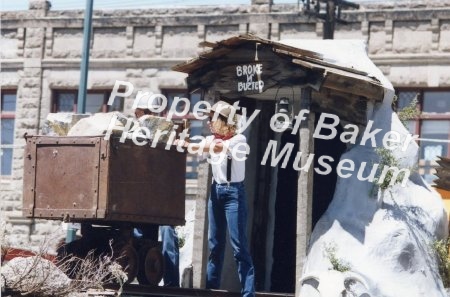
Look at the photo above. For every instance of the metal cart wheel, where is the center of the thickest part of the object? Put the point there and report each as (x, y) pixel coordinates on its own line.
(142, 253)
(129, 260)
(151, 265)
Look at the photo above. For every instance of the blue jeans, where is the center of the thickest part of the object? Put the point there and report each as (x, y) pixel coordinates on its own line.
(227, 207)
(171, 256)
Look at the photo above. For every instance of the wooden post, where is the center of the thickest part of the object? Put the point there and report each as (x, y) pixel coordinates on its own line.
(200, 247)
(330, 20)
(305, 189)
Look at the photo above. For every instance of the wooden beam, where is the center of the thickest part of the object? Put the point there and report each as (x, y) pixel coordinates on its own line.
(444, 162)
(200, 248)
(348, 82)
(320, 63)
(443, 173)
(304, 189)
(207, 44)
(443, 184)
(331, 101)
(445, 194)
(345, 82)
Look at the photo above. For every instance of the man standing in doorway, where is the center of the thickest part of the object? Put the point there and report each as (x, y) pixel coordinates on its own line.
(227, 204)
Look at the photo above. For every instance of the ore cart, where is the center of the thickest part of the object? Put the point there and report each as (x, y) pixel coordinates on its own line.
(111, 188)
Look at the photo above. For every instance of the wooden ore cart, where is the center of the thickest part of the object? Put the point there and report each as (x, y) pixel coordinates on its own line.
(111, 188)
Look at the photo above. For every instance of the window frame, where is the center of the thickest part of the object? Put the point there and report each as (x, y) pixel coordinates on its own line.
(106, 94)
(423, 117)
(186, 94)
(8, 115)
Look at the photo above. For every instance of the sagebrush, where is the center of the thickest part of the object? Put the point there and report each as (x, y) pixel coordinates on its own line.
(40, 276)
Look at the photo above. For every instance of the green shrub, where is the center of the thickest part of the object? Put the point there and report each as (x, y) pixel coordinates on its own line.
(387, 158)
(441, 249)
(409, 112)
(336, 263)
(181, 234)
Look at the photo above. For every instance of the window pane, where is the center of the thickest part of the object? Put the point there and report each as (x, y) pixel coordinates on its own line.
(429, 149)
(6, 159)
(94, 102)
(9, 102)
(7, 131)
(405, 99)
(117, 104)
(438, 102)
(196, 128)
(434, 130)
(65, 102)
(195, 98)
(171, 96)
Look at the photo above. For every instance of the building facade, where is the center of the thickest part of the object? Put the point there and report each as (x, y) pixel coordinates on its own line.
(41, 54)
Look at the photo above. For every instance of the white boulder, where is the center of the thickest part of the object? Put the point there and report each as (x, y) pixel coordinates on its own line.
(385, 236)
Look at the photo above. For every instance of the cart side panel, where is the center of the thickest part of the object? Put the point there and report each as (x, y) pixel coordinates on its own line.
(147, 184)
(29, 177)
(67, 177)
(103, 187)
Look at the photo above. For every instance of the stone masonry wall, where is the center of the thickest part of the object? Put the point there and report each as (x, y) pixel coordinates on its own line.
(41, 52)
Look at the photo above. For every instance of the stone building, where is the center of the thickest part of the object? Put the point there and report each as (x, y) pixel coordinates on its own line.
(41, 52)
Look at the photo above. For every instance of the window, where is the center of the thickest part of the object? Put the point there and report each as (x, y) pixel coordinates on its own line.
(432, 125)
(7, 118)
(196, 126)
(96, 101)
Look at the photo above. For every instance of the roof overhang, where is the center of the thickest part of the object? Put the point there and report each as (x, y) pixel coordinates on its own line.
(250, 66)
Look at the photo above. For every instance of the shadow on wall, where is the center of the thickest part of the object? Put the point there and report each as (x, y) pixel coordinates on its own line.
(324, 185)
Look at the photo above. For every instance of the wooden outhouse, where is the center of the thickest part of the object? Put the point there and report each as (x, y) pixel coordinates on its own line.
(284, 203)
